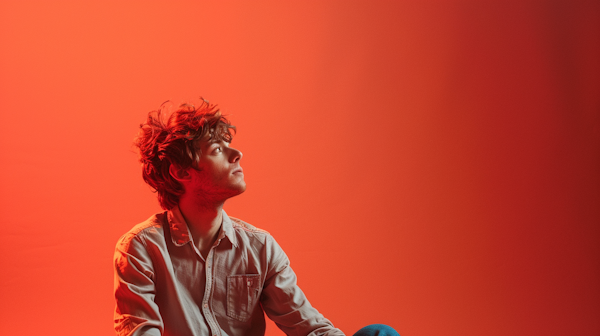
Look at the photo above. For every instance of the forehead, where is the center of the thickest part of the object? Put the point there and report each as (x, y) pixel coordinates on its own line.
(210, 138)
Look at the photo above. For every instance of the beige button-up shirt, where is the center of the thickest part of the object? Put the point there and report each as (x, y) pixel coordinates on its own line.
(163, 285)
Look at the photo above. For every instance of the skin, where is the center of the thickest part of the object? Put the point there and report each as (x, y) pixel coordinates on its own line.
(218, 177)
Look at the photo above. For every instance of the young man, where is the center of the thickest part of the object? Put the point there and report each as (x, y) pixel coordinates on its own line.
(192, 269)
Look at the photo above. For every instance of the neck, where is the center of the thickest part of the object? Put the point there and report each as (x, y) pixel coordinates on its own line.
(203, 219)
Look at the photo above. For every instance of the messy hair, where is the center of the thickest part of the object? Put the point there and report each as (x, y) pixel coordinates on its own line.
(172, 137)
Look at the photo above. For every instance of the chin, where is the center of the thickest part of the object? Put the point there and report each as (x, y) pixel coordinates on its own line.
(238, 189)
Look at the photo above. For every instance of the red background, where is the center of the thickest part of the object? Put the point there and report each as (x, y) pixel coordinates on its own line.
(432, 165)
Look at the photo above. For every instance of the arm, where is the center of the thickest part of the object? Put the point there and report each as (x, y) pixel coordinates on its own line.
(136, 313)
(285, 303)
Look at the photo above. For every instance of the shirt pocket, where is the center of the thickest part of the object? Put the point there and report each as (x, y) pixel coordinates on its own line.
(242, 295)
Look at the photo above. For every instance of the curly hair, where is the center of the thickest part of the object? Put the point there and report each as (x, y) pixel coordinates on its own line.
(168, 138)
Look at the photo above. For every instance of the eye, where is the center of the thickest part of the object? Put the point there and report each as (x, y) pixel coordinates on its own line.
(217, 150)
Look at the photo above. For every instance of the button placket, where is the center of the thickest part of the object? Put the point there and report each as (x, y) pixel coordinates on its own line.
(207, 293)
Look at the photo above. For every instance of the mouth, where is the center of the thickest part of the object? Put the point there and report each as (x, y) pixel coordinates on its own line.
(238, 171)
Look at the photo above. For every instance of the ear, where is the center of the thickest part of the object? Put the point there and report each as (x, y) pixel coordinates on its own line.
(179, 173)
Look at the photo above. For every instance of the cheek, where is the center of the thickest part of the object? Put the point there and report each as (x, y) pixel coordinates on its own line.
(221, 174)
(226, 176)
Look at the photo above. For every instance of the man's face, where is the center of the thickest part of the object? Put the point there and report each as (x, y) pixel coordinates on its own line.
(219, 175)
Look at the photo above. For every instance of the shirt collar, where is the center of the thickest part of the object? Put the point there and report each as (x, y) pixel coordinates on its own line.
(180, 233)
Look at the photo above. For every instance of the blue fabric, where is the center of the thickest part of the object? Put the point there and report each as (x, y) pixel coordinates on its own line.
(377, 330)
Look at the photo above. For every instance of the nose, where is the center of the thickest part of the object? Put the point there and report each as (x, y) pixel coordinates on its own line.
(235, 155)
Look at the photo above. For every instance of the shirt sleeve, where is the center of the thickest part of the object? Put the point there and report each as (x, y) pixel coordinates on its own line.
(136, 313)
(285, 303)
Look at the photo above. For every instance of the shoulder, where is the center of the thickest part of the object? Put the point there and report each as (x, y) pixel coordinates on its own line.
(249, 232)
(260, 242)
(151, 227)
(239, 224)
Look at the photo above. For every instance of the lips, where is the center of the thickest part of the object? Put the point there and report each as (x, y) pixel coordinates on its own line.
(238, 170)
